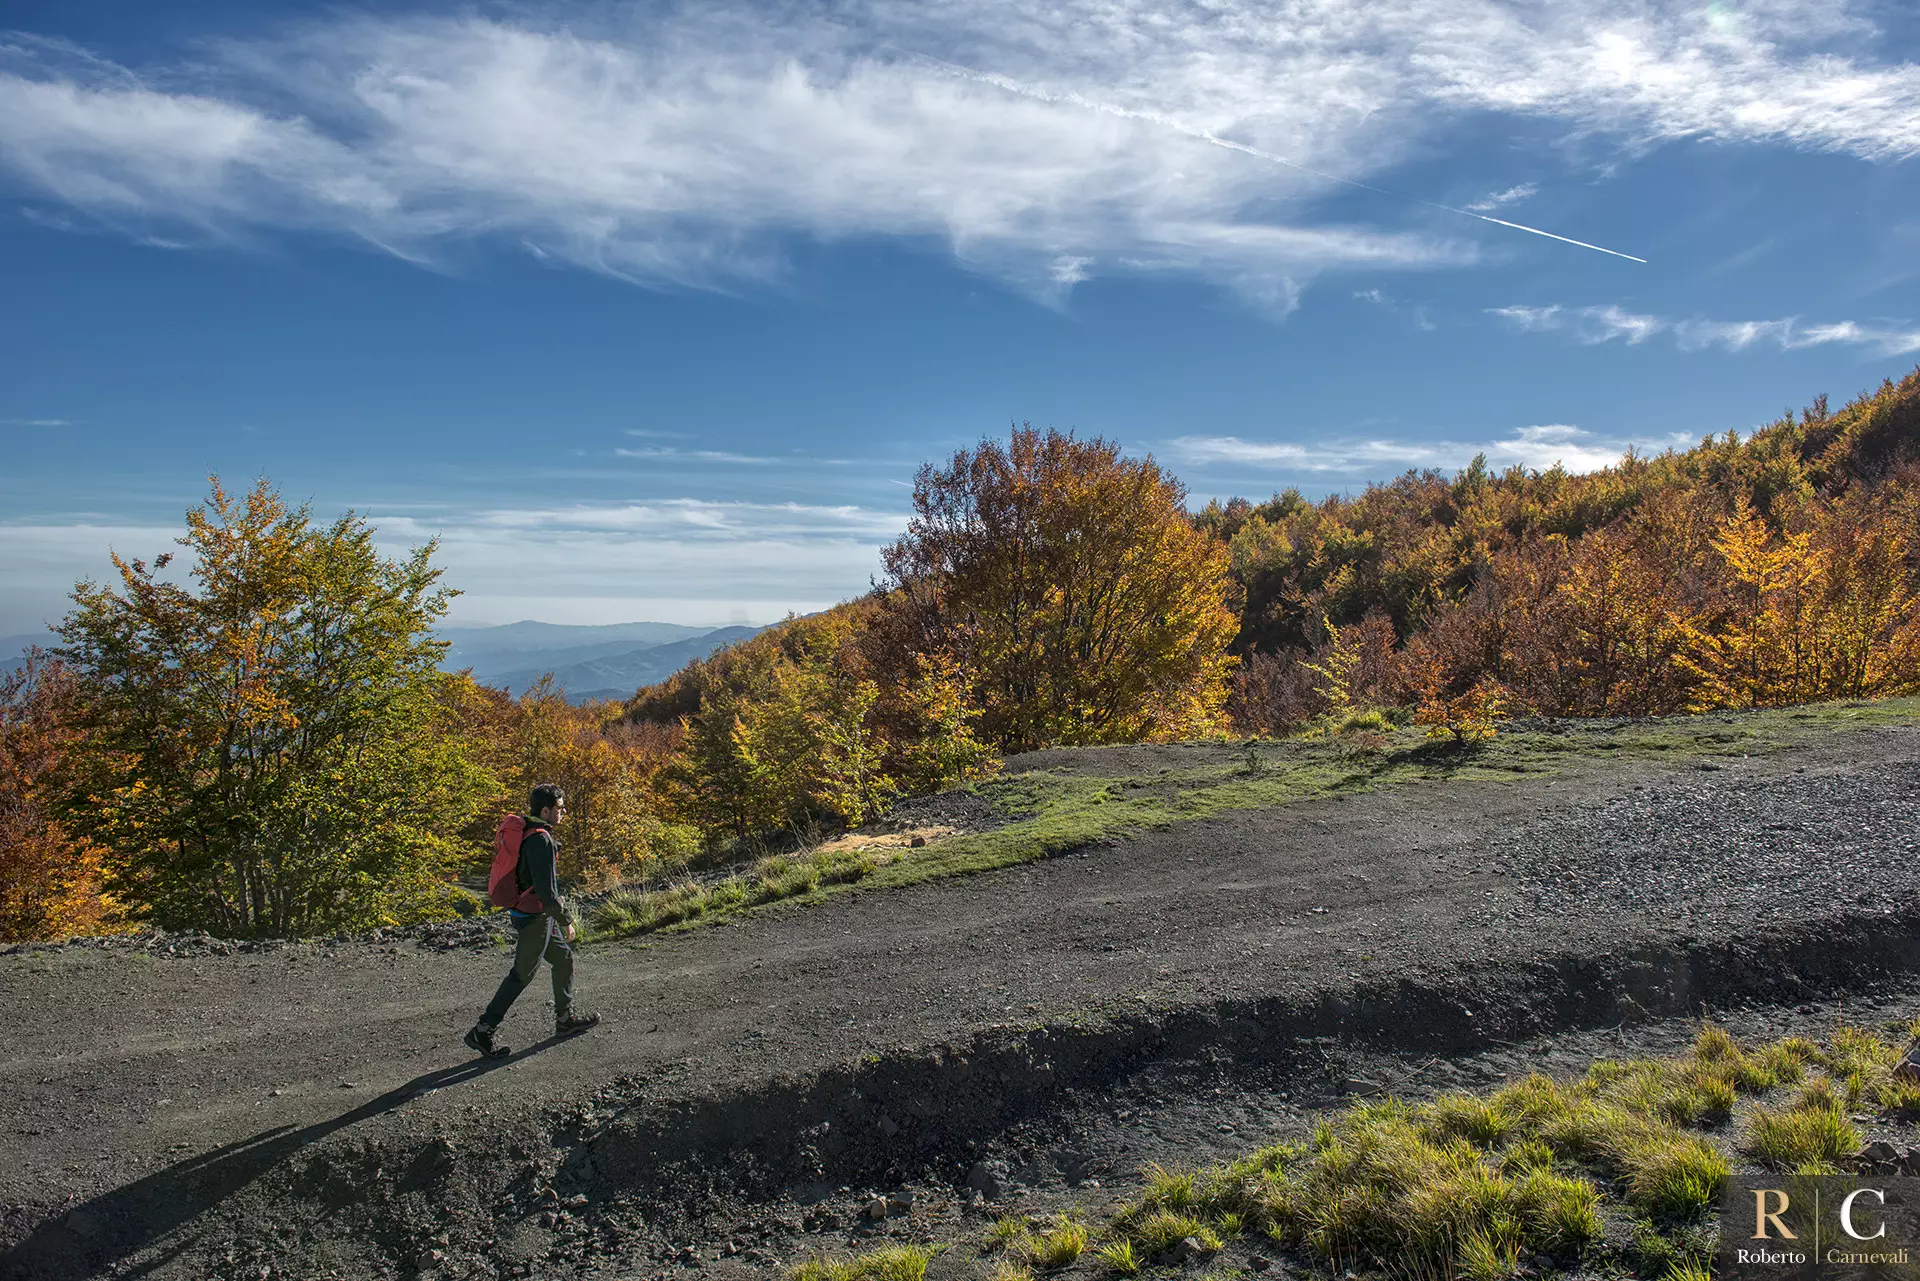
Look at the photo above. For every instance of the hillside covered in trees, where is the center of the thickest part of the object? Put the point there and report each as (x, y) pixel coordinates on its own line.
(1775, 569)
(274, 751)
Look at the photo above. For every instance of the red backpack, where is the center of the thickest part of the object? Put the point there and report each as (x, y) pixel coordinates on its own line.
(503, 882)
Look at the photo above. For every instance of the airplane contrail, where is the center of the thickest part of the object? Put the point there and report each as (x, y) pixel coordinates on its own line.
(1202, 135)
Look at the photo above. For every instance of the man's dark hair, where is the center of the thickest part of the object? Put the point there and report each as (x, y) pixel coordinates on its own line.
(541, 797)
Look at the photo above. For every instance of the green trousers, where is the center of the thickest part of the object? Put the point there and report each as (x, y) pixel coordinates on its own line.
(539, 936)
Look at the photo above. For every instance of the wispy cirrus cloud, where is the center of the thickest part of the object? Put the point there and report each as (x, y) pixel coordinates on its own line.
(1380, 298)
(1537, 447)
(1500, 199)
(35, 422)
(1610, 323)
(688, 147)
(666, 454)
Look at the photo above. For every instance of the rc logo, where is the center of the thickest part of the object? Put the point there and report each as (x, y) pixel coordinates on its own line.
(1828, 1227)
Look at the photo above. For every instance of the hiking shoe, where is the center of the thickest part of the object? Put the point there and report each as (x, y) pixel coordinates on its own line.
(575, 1024)
(480, 1041)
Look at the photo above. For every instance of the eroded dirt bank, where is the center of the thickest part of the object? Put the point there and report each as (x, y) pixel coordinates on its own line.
(309, 1111)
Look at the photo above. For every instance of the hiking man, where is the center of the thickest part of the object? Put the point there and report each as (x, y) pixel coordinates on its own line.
(524, 881)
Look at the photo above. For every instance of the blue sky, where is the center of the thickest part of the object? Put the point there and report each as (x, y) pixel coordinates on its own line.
(651, 311)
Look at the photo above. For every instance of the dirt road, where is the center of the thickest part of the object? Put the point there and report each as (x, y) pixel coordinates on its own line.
(310, 1109)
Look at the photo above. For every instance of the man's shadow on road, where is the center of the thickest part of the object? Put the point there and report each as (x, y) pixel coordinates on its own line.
(93, 1236)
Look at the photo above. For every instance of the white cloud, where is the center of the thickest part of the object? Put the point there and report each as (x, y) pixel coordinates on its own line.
(1607, 323)
(667, 454)
(1380, 298)
(1537, 447)
(674, 560)
(45, 558)
(35, 422)
(1512, 195)
(687, 149)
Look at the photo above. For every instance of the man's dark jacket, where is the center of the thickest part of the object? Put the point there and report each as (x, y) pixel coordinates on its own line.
(538, 869)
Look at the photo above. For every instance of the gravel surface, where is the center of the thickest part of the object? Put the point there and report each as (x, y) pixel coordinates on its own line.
(466, 933)
(184, 1111)
(1765, 850)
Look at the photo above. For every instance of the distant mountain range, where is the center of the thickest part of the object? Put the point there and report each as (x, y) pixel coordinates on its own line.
(610, 661)
(13, 649)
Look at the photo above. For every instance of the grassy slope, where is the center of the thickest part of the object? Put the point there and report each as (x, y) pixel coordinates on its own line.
(1055, 811)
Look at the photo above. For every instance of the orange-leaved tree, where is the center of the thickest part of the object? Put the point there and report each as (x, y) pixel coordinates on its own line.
(616, 826)
(1071, 587)
(49, 881)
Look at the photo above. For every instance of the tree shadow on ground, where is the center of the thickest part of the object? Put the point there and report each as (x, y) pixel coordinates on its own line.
(1442, 753)
(96, 1235)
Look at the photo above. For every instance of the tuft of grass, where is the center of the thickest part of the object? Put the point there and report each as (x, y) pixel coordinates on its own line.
(1156, 1231)
(1493, 1252)
(891, 1263)
(1715, 1045)
(1170, 1189)
(1562, 1211)
(1008, 1270)
(1057, 1247)
(1898, 1099)
(1120, 1257)
(1811, 1134)
(1525, 1156)
(1675, 1175)
(1463, 1116)
(1005, 1230)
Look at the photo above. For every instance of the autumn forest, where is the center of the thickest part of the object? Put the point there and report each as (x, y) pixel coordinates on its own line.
(265, 745)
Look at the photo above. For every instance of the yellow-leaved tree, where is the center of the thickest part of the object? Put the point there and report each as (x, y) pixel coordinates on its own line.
(796, 725)
(269, 748)
(1824, 608)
